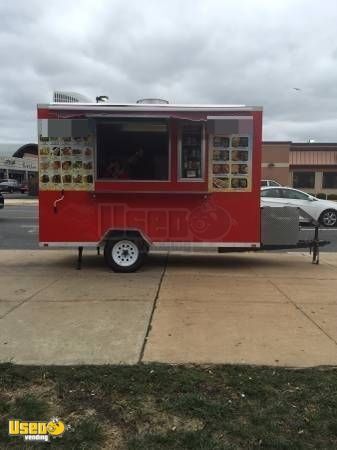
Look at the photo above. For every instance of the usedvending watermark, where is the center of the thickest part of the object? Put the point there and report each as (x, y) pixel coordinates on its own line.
(36, 430)
(204, 221)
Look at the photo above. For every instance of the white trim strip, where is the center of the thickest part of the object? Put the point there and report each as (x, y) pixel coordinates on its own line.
(159, 244)
(170, 107)
(68, 244)
(207, 244)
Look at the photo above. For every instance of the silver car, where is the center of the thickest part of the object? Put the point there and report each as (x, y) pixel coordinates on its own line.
(9, 185)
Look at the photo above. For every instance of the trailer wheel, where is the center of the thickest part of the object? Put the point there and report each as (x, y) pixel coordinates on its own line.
(124, 255)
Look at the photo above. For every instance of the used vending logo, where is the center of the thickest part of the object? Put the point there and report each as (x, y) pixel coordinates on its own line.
(36, 431)
(209, 222)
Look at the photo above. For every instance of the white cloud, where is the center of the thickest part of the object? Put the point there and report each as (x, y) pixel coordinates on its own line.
(248, 51)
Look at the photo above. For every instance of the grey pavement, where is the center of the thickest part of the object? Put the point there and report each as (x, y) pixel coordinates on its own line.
(50, 313)
(19, 227)
(263, 308)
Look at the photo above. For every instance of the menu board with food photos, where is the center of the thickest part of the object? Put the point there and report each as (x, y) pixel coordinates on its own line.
(230, 163)
(66, 163)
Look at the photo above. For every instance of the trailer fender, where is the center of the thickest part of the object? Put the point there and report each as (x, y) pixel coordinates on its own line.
(114, 234)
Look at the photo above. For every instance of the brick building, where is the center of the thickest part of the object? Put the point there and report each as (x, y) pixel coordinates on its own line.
(311, 167)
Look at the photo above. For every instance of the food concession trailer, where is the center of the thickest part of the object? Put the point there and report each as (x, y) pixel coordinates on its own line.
(129, 177)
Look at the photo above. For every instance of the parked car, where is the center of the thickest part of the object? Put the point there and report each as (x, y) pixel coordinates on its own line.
(324, 211)
(24, 188)
(1, 201)
(269, 183)
(9, 185)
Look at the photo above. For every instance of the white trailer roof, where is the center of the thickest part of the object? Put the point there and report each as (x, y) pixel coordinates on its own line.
(146, 107)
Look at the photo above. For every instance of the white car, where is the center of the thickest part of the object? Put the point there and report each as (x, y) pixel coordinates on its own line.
(323, 211)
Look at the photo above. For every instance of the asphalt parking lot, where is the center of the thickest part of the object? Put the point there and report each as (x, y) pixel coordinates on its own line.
(19, 229)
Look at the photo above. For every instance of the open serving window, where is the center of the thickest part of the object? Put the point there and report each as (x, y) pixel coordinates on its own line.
(149, 154)
(133, 150)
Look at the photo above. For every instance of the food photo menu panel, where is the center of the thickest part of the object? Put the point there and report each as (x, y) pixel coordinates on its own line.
(230, 163)
(66, 163)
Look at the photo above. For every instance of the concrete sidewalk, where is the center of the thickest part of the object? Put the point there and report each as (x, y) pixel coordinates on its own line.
(51, 313)
(264, 308)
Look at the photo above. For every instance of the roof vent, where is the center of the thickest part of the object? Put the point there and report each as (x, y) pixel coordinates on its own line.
(69, 97)
(153, 101)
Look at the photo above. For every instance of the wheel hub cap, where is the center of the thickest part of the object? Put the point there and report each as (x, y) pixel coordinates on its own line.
(330, 218)
(125, 253)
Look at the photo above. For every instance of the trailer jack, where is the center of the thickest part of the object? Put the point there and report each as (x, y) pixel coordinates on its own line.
(79, 259)
(314, 246)
(80, 254)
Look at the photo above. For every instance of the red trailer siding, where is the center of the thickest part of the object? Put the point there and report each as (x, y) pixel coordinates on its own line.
(163, 211)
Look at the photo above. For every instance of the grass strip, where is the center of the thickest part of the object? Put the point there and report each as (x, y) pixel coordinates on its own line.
(170, 407)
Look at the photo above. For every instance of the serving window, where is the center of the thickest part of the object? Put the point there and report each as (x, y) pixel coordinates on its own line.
(133, 149)
(191, 152)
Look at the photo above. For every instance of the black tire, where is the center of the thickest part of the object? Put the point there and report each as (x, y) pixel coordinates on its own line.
(10, 190)
(131, 260)
(328, 218)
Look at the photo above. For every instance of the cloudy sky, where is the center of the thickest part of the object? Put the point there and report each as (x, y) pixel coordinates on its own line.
(212, 51)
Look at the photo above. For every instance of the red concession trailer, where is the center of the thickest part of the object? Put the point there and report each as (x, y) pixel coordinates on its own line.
(129, 177)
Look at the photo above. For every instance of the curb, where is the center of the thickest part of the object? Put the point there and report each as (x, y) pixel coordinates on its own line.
(13, 202)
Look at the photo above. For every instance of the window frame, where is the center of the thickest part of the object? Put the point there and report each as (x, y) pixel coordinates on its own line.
(324, 186)
(203, 178)
(126, 119)
(296, 172)
(306, 196)
(271, 189)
